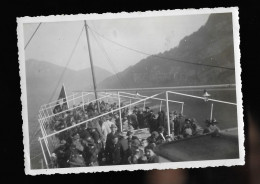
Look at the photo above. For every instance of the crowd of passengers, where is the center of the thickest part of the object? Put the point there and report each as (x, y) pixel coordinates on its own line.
(99, 141)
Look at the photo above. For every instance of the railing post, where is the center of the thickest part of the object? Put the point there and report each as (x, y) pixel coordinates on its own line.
(168, 114)
(182, 108)
(161, 106)
(44, 154)
(211, 112)
(46, 139)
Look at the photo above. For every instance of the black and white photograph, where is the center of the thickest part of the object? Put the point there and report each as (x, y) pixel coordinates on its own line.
(131, 91)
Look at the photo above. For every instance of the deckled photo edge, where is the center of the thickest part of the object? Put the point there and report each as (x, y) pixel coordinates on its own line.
(160, 166)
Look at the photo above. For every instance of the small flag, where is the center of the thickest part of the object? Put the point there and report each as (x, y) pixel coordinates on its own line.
(62, 102)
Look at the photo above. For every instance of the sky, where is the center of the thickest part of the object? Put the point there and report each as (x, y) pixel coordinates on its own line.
(54, 41)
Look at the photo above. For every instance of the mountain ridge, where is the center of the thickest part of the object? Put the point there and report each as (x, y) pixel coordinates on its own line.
(211, 44)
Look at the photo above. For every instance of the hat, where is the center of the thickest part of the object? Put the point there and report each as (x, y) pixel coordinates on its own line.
(113, 126)
(188, 120)
(76, 136)
(135, 142)
(155, 134)
(90, 140)
(147, 107)
(150, 146)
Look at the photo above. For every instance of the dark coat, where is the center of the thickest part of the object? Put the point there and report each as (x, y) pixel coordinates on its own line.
(114, 154)
(109, 138)
(153, 159)
(125, 147)
(63, 155)
(90, 154)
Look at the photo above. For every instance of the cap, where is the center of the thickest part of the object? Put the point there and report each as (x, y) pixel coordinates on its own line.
(113, 126)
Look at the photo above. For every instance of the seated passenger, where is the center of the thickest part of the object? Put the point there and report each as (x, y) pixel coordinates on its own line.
(150, 154)
(160, 139)
(153, 137)
(187, 130)
(212, 128)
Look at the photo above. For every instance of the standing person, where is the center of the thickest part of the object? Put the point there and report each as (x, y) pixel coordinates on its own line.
(146, 116)
(133, 120)
(153, 123)
(62, 154)
(76, 149)
(111, 134)
(105, 128)
(125, 147)
(95, 136)
(90, 152)
(140, 118)
(177, 124)
(150, 154)
(161, 118)
(114, 152)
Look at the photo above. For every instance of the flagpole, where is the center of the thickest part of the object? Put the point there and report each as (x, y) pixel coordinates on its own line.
(91, 64)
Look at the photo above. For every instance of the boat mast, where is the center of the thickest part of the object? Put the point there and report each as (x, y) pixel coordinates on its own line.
(92, 68)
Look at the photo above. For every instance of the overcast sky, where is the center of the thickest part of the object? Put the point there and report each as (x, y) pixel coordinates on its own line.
(54, 41)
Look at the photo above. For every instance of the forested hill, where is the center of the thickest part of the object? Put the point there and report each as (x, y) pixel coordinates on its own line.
(212, 44)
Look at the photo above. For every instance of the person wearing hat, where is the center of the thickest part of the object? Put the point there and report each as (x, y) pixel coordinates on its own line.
(176, 127)
(152, 122)
(125, 147)
(76, 153)
(114, 151)
(194, 126)
(212, 128)
(90, 152)
(161, 138)
(130, 135)
(95, 136)
(186, 129)
(153, 137)
(105, 128)
(111, 134)
(150, 154)
(134, 121)
(62, 154)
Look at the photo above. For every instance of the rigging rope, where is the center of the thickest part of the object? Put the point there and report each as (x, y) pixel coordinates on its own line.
(165, 58)
(65, 68)
(109, 60)
(63, 72)
(32, 35)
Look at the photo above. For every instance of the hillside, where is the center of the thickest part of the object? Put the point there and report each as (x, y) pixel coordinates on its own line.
(42, 78)
(212, 44)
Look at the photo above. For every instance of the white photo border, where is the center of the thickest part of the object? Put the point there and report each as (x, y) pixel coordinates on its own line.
(159, 166)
